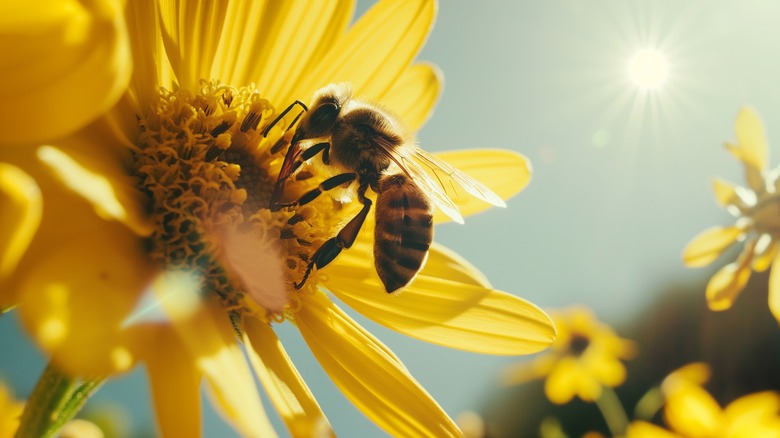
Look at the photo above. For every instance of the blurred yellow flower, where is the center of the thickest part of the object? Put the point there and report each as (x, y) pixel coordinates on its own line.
(10, 411)
(155, 244)
(757, 209)
(584, 358)
(691, 412)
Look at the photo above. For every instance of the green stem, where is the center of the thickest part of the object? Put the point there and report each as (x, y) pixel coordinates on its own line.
(649, 404)
(54, 401)
(612, 411)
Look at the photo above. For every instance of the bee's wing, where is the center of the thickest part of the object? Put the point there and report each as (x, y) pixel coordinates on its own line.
(406, 161)
(446, 175)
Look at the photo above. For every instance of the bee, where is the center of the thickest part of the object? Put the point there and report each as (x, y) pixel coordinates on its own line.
(368, 147)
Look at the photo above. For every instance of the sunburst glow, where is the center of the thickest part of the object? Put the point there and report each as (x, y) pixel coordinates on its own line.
(648, 69)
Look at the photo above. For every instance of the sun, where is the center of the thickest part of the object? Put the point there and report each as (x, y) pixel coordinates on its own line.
(648, 69)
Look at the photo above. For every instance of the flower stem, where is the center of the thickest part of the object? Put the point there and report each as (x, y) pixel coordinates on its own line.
(55, 400)
(612, 411)
(649, 404)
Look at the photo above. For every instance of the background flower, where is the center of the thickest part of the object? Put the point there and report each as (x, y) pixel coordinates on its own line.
(757, 209)
(690, 411)
(585, 357)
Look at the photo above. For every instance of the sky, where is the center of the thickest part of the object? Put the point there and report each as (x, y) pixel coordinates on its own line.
(622, 168)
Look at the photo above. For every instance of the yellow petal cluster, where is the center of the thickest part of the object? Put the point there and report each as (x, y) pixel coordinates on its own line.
(757, 211)
(692, 412)
(584, 358)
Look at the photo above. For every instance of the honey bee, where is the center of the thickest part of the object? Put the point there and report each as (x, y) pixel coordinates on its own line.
(367, 146)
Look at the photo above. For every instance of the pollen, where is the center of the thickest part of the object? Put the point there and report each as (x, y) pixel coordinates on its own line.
(205, 162)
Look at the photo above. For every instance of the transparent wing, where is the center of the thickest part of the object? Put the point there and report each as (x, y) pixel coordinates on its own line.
(404, 158)
(448, 177)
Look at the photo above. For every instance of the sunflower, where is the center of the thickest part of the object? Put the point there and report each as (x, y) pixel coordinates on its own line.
(583, 360)
(757, 209)
(691, 411)
(144, 144)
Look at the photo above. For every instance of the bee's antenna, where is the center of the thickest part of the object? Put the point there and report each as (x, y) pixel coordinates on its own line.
(284, 113)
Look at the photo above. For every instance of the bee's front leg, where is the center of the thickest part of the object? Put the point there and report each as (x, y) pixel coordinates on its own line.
(290, 165)
(344, 239)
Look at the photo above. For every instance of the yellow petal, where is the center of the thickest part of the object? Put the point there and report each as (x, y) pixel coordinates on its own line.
(709, 244)
(10, 412)
(21, 208)
(642, 429)
(371, 379)
(175, 382)
(755, 406)
(206, 332)
(566, 380)
(774, 288)
(96, 174)
(415, 94)
(692, 412)
(277, 42)
(608, 370)
(447, 264)
(753, 149)
(190, 33)
(753, 416)
(696, 373)
(444, 305)
(284, 386)
(724, 287)
(525, 371)
(60, 203)
(152, 69)
(766, 248)
(505, 172)
(376, 49)
(75, 297)
(64, 63)
(80, 428)
(725, 192)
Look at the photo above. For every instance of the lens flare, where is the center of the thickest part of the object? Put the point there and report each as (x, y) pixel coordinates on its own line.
(648, 69)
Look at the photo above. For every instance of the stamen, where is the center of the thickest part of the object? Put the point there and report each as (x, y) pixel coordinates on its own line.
(204, 165)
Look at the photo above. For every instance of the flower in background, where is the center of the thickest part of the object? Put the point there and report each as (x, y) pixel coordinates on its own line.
(691, 412)
(156, 245)
(10, 411)
(757, 209)
(584, 358)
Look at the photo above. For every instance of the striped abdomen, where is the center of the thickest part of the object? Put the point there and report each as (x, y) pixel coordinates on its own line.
(404, 231)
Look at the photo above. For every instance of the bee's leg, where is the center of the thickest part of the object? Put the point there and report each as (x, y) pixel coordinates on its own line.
(284, 113)
(329, 184)
(344, 239)
(309, 153)
(291, 164)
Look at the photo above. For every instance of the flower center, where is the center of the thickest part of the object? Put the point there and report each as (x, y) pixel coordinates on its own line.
(766, 215)
(205, 163)
(578, 344)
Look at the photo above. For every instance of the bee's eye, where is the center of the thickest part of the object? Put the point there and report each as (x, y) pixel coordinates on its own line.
(322, 118)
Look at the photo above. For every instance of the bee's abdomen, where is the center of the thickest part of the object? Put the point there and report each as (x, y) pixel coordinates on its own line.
(404, 231)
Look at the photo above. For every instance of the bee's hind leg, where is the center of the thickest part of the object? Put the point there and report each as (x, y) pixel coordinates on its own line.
(344, 239)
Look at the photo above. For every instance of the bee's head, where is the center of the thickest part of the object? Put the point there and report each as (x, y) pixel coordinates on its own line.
(324, 111)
